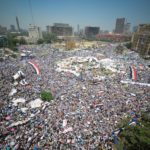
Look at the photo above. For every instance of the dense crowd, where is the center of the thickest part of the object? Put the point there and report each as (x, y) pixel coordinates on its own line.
(84, 112)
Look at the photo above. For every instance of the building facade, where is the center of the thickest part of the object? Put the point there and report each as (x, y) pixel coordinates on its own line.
(127, 28)
(3, 30)
(120, 25)
(12, 28)
(48, 30)
(91, 32)
(60, 29)
(134, 29)
(141, 39)
(34, 34)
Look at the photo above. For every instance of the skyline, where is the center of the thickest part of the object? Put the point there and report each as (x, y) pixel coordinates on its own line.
(101, 13)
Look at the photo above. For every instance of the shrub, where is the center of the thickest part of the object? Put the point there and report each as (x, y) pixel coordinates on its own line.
(46, 96)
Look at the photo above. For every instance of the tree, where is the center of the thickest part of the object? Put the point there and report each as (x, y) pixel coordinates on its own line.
(12, 41)
(119, 49)
(22, 41)
(3, 42)
(128, 45)
(40, 41)
(49, 38)
(46, 96)
(15, 42)
(137, 137)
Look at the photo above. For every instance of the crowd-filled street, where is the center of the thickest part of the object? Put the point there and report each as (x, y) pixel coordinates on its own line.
(93, 90)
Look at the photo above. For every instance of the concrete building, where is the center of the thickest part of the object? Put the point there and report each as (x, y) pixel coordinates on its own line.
(91, 32)
(134, 29)
(60, 29)
(12, 28)
(48, 29)
(141, 39)
(3, 30)
(120, 24)
(127, 28)
(78, 29)
(34, 34)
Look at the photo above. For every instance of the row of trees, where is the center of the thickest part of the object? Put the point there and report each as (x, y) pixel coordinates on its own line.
(11, 40)
(48, 38)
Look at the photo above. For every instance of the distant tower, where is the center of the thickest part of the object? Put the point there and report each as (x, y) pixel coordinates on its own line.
(12, 28)
(78, 29)
(17, 22)
(120, 24)
(127, 28)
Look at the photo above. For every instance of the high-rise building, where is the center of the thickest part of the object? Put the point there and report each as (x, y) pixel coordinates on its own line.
(141, 39)
(78, 29)
(120, 24)
(3, 30)
(34, 33)
(135, 28)
(60, 29)
(127, 28)
(91, 32)
(48, 29)
(144, 28)
(12, 28)
(17, 22)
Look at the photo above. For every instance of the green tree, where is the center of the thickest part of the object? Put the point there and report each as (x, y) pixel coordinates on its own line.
(22, 41)
(46, 96)
(12, 41)
(49, 38)
(40, 41)
(15, 41)
(119, 49)
(128, 45)
(137, 137)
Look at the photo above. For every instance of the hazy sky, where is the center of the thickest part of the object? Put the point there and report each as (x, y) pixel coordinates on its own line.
(102, 13)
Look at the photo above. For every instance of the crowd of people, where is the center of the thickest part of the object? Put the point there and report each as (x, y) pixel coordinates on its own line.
(84, 111)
